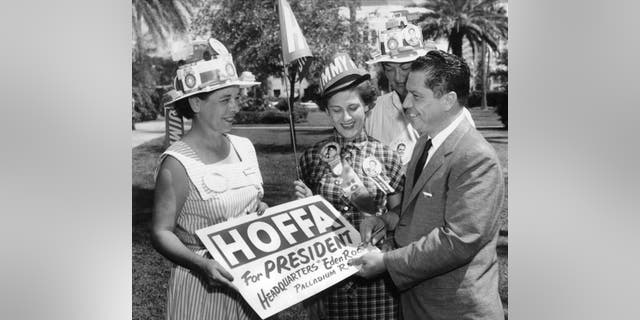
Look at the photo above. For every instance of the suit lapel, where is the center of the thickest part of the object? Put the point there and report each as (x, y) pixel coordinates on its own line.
(436, 161)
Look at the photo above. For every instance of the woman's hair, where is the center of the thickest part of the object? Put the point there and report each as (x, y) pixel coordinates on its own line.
(183, 108)
(366, 90)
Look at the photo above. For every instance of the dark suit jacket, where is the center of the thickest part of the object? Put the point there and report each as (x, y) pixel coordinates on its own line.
(446, 265)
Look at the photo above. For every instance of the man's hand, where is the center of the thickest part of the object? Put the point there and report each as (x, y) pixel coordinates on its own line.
(372, 264)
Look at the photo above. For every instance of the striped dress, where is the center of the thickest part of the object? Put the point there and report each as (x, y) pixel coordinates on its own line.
(217, 192)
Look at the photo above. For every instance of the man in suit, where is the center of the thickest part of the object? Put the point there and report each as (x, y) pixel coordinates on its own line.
(445, 264)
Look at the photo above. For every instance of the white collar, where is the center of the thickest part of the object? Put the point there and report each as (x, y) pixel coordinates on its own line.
(442, 135)
(395, 101)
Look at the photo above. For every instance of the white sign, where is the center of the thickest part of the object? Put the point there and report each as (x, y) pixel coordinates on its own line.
(290, 253)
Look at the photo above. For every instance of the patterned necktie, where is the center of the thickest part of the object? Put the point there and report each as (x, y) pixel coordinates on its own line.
(421, 161)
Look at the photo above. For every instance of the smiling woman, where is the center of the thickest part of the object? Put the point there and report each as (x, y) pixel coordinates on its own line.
(206, 178)
(361, 178)
(346, 109)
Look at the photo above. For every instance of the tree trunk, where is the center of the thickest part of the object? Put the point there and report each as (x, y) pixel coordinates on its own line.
(455, 42)
(485, 63)
(353, 5)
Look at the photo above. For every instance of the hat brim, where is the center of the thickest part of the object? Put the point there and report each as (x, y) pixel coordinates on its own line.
(346, 83)
(240, 83)
(408, 58)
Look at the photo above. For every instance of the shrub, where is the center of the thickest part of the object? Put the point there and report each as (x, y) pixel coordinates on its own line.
(251, 103)
(299, 112)
(273, 116)
(248, 117)
(147, 76)
(282, 105)
(270, 116)
(144, 104)
(311, 93)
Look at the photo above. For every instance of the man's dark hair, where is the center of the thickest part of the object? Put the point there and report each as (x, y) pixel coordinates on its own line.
(445, 73)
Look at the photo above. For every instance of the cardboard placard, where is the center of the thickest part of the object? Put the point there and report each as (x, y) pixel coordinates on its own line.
(290, 253)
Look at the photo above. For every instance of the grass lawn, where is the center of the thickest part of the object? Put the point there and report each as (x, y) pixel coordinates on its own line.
(151, 271)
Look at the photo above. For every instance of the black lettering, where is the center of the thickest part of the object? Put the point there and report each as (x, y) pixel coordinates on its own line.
(310, 253)
(282, 263)
(339, 241)
(264, 301)
(293, 260)
(330, 246)
(269, 266)
(319, 249)
(304, 257)
(346, 235)
(245, 277)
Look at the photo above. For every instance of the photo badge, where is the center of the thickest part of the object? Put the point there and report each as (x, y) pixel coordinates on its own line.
(373, 169)
(404, 149)
(330, 153)
(350, 183)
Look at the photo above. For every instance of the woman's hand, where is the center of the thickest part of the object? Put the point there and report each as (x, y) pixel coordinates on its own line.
(372, 229)
(302, 191)
(216, 275)
(261, 208)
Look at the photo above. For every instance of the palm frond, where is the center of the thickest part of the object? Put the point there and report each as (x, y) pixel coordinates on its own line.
(479, 21)
(163, 17)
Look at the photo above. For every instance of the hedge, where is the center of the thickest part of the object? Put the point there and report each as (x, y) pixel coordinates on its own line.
(270, 116)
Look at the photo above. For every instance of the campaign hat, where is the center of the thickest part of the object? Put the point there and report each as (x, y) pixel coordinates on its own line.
(340, 74)
(209, 68)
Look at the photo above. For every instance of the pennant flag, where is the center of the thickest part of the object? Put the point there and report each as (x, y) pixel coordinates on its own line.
(294, 45)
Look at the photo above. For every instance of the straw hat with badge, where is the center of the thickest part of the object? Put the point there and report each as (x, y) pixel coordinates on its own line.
(209, 67)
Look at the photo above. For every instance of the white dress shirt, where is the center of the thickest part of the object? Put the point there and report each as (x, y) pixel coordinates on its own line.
(442, 135)
(388, 123)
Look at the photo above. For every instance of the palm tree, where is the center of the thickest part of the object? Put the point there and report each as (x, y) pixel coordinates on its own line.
(480, 21)
(161, 17)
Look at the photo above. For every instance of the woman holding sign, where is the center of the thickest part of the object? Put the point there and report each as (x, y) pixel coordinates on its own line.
(206, 178)
(360, 176)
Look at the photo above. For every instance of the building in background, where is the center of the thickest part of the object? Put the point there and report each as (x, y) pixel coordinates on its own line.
(279, 87)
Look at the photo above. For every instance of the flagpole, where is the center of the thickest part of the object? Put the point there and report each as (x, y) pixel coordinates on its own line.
(292, 125)
(290, 101)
